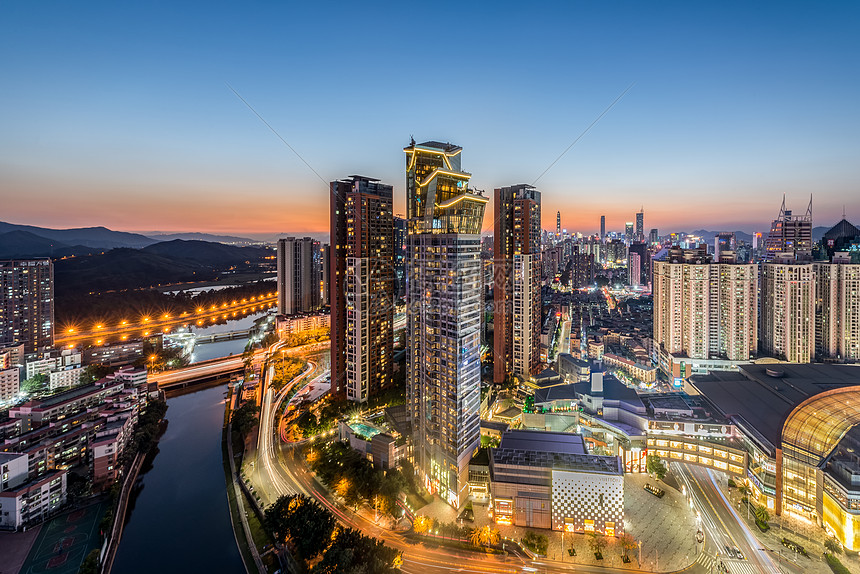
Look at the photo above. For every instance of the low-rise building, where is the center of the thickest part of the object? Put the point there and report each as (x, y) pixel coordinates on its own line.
(107, 448)
(13, 470)
(65, 377)
(33, 501)
(10, 383)
(56, 407)
(548, 480)
(640, 372)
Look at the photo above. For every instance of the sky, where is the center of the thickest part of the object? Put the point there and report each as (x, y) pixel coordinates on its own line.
(121, 114)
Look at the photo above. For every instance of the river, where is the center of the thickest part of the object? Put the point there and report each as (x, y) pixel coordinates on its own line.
(208, 351)
(179, 520)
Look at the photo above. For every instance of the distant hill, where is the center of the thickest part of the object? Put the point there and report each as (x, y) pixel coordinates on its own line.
(23, 244)
(94, 237)
(161, 263)
(206, 252)
(230, 239)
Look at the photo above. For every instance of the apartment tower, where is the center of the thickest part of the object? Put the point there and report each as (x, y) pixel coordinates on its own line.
(516, 285)
(788, 310)
(362, 287)
(27, 304)
(705, 310)
(444, 316)
(837, 309)
(299, 275)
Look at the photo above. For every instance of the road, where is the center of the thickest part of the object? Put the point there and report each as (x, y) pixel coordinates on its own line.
(280, 469)
(100, 334)
(724, 527)
(228, 364)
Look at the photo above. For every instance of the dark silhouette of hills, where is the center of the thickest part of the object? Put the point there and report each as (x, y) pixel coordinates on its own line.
(158, 264)
(231, 239)
(93, 237)
(23, 244)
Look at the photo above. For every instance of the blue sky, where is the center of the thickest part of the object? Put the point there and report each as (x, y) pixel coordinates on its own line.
(118, 114)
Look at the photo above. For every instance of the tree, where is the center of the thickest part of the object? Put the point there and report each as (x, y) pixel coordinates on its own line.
(302, 521)
(761, 514)
(484, 536)
(351, 552)
(421, 524)
(597, 542)
(537, 543)
(35, 384)
(245, 417)
(833, 545)
(90, 565)
(627, 542)
(655, 465)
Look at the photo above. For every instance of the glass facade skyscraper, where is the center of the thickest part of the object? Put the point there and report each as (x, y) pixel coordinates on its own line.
(443, 316)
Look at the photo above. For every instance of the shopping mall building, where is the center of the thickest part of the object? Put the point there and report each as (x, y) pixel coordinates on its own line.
(787, 430)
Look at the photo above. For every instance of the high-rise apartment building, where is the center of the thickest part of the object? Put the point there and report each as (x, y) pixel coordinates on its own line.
(642, 269)
(581, 267)
(362, 291)
(640, 225)
(516, 284)
(27, 304)
(325, 274)
(837, 309)
(299, 273)
(788, 310)
(602, 227)
(790, 235)
(705, 310)
(444, 316)
(653, 237)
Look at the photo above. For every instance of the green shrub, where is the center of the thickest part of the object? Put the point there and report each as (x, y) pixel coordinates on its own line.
(835, 565)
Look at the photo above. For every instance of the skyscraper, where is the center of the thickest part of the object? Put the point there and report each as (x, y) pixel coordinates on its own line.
(837, 309)
(634, 269)
(788, 310)
(705, 310)
(790, 235)
(581, 267)
(628, 233)
(517, 279)
(602, 227)
(444, 316)
(640, 225)
(362, 293)
(27, 304)
(653, 237)
(557, 224)
(299, 273)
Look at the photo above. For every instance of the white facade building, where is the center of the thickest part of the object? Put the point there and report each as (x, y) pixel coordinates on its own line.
(788, 311)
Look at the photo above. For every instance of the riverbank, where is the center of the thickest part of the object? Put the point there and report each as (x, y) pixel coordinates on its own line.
(246, 516)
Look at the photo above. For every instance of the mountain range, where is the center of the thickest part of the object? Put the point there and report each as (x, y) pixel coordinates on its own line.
(23, 241)
(160, 263)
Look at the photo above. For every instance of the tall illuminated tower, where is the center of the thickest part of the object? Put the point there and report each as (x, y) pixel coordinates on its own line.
(640, 225)
(27, 304)
(444, 316)
(517, 276)
(362, 293)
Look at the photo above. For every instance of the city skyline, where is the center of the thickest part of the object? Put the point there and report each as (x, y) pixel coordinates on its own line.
(727, 104)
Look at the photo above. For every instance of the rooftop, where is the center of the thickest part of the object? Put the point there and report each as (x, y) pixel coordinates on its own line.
(541, 441)
(764, 395)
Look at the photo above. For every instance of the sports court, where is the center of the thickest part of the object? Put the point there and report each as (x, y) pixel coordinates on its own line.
(65, 541)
